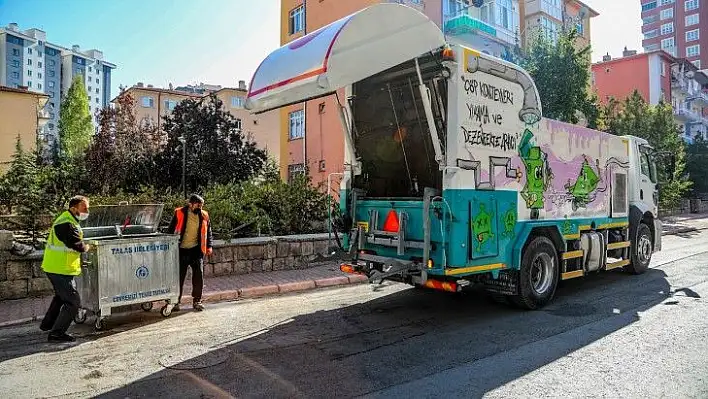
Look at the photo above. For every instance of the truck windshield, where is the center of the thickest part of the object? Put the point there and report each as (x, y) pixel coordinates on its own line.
(391, 133)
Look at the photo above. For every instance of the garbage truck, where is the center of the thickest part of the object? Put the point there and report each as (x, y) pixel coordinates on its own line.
(453, 178)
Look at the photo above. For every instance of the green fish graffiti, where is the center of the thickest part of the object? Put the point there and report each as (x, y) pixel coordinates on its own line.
(582, 189)
(568, 227)
(538, 171)
(509, 223)
(482, 227)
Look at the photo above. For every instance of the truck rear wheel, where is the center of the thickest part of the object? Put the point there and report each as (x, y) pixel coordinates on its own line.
(538, 277)
(641, 251)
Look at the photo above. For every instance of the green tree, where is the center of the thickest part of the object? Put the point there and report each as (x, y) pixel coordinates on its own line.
(75, 126)
(656, 124)
(562, 75)
(696, 164)
(217, 151)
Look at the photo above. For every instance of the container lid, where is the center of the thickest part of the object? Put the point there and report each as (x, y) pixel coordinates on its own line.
(122, 220)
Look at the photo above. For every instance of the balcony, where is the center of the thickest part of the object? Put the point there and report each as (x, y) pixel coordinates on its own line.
(546, 7)
(699, 97)
(464, 23)
(687, 115)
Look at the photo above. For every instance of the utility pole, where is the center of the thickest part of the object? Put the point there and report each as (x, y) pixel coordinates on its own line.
(183, 140)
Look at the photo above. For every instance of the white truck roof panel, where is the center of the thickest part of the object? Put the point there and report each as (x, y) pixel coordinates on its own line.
(346, 51)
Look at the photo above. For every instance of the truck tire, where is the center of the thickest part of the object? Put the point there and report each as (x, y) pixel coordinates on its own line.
(641, 250)
(538, 277)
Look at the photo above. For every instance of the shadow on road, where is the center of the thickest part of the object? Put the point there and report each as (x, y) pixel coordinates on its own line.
(372, 348)
(28, 339)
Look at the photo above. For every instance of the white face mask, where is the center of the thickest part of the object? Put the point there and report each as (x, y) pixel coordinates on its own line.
(83, 216)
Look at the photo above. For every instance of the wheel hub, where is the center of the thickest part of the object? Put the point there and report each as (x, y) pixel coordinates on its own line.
(541, 273)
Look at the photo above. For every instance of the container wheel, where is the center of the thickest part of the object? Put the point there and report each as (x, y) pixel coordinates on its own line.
(80, 317)
(147, 306)
(166, 310)
(538, 277)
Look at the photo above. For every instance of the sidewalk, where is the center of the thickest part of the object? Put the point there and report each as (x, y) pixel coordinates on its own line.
(684, 223)
(216, 289)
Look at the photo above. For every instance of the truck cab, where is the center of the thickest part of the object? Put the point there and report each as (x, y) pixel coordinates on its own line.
(452, 177)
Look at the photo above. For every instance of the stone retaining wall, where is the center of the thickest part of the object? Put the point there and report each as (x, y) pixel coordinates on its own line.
(22, 276)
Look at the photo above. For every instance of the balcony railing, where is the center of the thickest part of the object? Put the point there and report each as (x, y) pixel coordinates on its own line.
(699, 97)
(686, 115)
(464, 23)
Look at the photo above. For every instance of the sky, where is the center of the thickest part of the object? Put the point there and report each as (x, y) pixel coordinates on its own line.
(217, 41)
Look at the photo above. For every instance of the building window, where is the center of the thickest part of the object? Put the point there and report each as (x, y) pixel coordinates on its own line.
(97, 82)
(697, 63)
(668, 44)
(90, 69)
(15, 52)
(29, 83)
(693, 51)
(648, 6)
(296, 129)
(297, 20)
(39, 86)
(51, 84)
(39, 75)
(96, 100)
(691, 5)
(39, 64)
(651, 34)
(693, 35)
(29, 62)
(29, 73)
(663, 68)
(89, 97)
(15, 75)
(550, 29)
(29, 50)
(295, 170)
(650, 19)
(667, 14)
(89, 89)
(170, 104)
(505, 17)
(97, 90)
(692, 19)
(665, 2)
(580, 28)
(39, 53)
(667, 28)
(51, 94)
(16, 63)
(89, 78)
(147, 102)
(51, 63)
(52, 74)
(51, 126)
(237, 102)
(239, 124)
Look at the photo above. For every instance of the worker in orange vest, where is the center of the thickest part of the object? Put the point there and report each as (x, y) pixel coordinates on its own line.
(192, 224)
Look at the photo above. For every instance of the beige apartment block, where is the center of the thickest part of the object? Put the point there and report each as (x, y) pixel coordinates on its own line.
(21, 114)
(151, 104)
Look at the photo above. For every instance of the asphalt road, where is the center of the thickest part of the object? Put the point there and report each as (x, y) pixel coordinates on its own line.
(610, 335)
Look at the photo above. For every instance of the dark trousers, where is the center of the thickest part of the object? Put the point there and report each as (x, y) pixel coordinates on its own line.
(193, 258)
(64, 306)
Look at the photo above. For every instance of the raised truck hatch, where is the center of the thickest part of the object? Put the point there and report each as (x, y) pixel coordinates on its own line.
(342, 53)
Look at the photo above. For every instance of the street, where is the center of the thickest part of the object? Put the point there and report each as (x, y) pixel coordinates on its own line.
(609, 335)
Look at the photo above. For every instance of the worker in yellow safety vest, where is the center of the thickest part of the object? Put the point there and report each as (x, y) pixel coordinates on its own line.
(61, 263)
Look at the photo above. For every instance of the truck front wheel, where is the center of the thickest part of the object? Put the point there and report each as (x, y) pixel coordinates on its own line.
(641, 252)
(538, 277)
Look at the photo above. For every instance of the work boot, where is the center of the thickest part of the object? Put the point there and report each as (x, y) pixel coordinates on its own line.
(198, 306)
(63, 337)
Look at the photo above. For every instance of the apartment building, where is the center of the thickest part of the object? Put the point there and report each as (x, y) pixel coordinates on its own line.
(152, 104)
(658, 76)
(22, 115)
(675, 26)
(28, 60)
(492, 28)
(551, 17)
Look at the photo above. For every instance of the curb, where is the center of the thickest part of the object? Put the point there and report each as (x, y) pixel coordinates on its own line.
(241, 293)
(684, 230)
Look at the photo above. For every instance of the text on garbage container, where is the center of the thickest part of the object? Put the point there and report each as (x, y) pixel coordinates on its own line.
(136, 295)
(136, 249)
